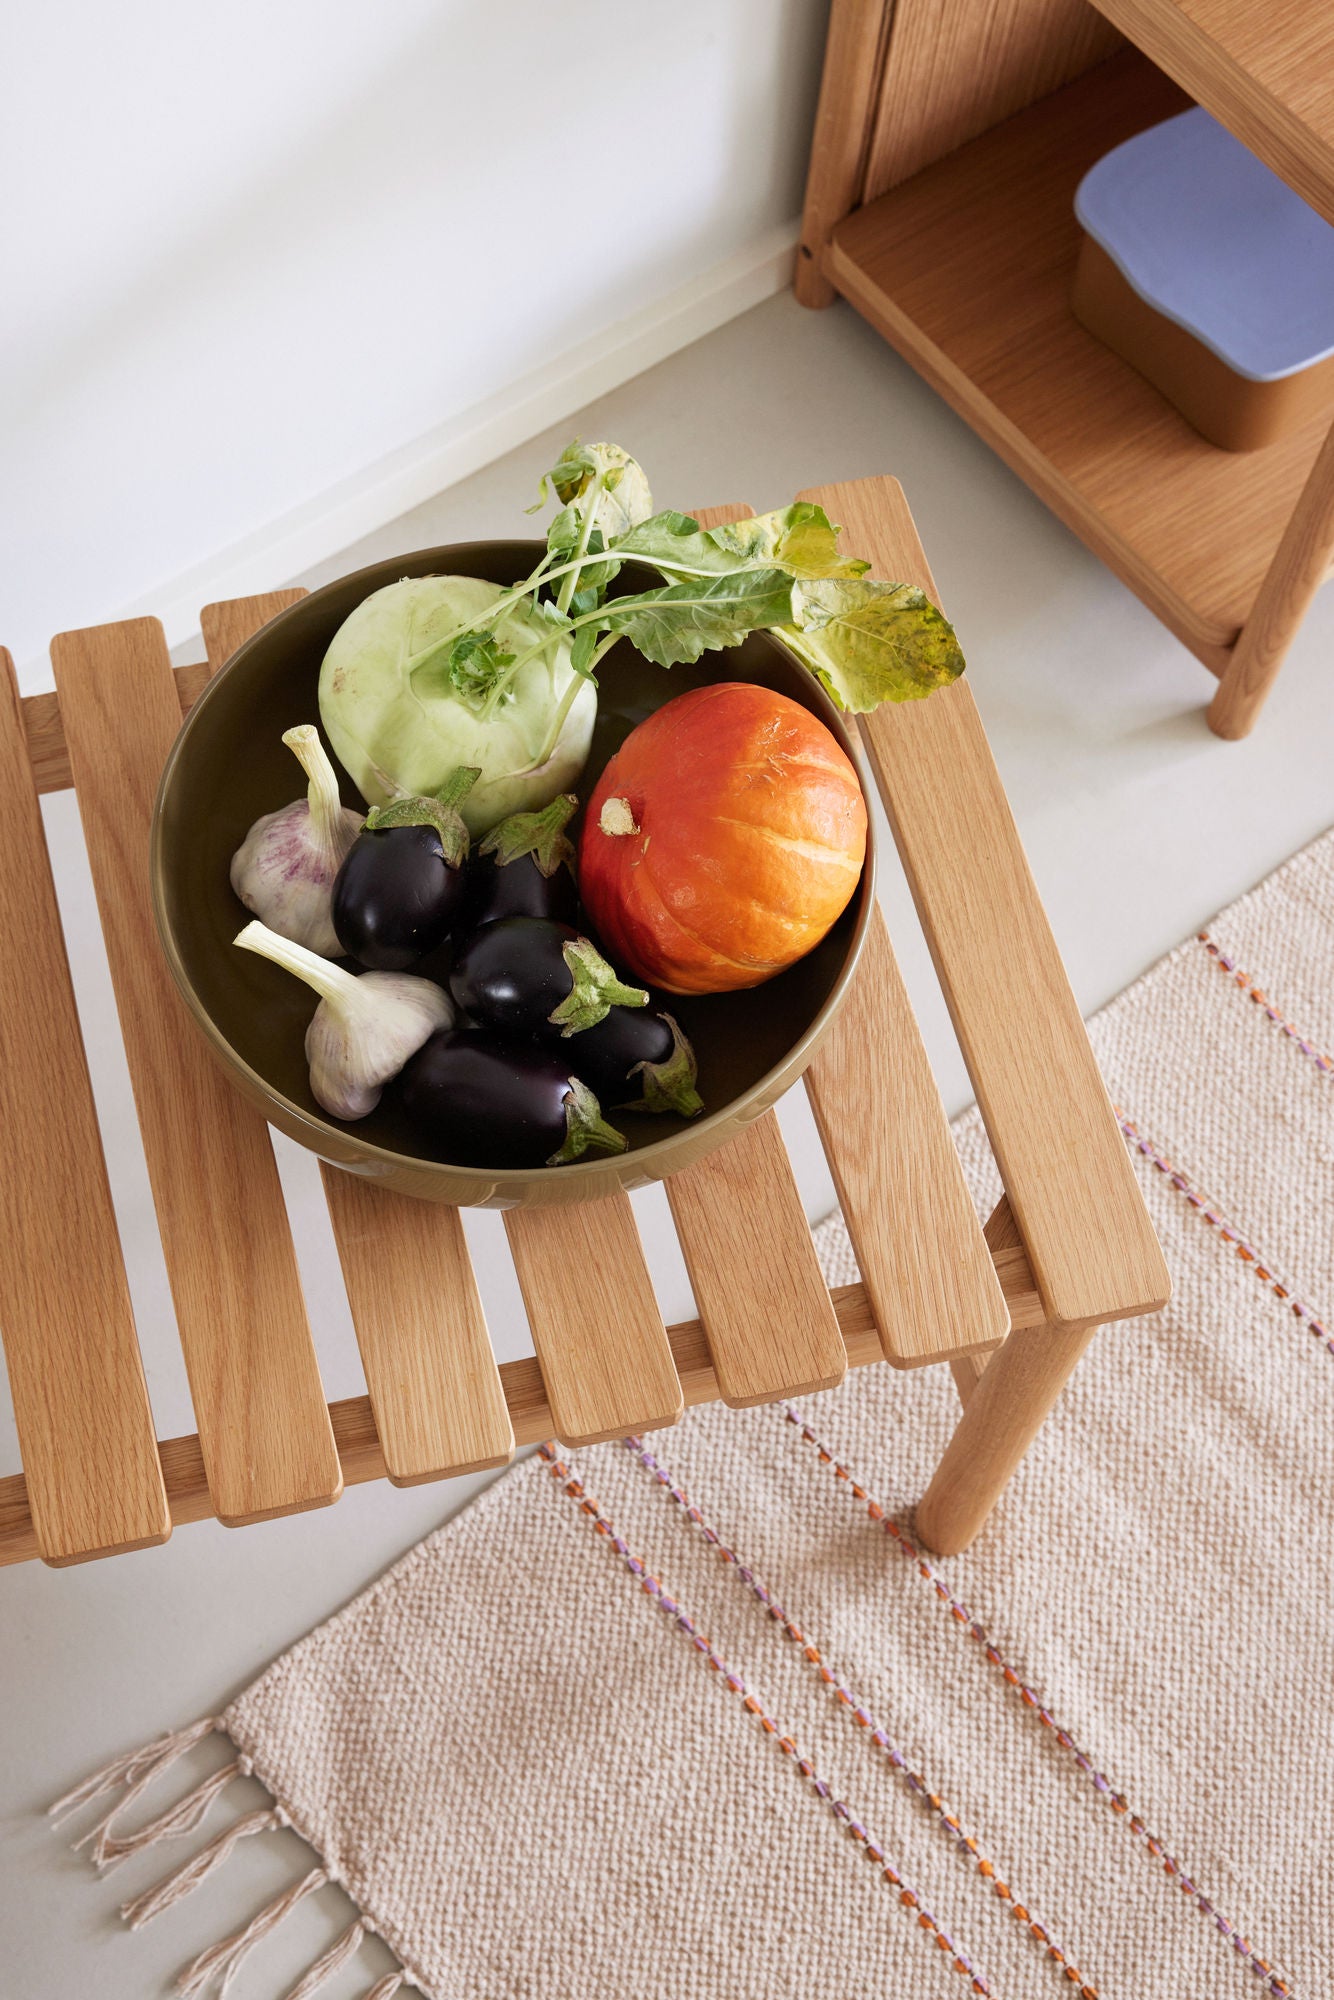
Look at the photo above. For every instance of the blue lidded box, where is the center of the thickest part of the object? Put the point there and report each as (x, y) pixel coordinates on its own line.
(1204, 271)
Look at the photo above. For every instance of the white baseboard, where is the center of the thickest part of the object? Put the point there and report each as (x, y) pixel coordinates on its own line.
(464, 443)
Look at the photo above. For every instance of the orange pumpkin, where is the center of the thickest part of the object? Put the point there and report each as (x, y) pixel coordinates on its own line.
(721, 842)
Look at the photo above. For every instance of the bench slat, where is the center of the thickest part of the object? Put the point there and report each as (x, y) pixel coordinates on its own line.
(263, 1423)
(1060, 1152)
(594, 1318)
(81, 1409)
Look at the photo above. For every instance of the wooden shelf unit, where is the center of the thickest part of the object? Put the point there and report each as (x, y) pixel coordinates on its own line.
(944, 214)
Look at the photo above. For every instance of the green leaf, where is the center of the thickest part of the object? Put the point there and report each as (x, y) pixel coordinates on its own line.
(687, 619)
(623, 496)
(800, 539)
(677, 542)
(869, 642)
(470, 668)
(584, 645)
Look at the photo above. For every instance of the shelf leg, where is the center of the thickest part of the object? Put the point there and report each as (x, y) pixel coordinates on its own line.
(1291, 581)
(848, 93)
(1005, 1409)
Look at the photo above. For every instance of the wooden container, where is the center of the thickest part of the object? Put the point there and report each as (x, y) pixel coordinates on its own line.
(1205, 272)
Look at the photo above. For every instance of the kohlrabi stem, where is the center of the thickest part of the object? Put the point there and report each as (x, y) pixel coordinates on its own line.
(326, 808)
(542, 574)
(571, 578)
(567, 701)
(329, 981)
(517, 666)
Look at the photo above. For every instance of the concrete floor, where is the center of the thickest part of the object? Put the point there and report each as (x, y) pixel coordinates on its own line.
(1139, 824)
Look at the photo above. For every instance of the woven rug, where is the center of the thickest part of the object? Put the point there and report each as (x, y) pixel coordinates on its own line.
(691, 1717)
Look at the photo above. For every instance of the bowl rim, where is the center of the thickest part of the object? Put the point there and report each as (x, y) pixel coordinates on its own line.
(382, 1161)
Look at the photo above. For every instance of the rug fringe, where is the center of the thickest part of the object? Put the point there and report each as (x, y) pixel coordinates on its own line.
(329, 1962)
(135, 1768)
(110, 1849)
(222, 1962)
(386, 1988)
(197, 1869)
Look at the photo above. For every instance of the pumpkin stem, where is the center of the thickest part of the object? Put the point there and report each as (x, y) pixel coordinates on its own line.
(616, 817)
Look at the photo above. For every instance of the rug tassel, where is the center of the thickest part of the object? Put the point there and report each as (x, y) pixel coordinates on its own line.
(188, 1813)
(329, 1962)
(223, 1961)
(385, 1989)
(134, 1767)
(197, 1869)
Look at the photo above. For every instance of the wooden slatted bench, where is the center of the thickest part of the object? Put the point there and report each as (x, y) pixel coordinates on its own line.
(1010, 1308)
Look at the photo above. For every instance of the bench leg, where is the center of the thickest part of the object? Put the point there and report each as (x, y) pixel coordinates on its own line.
(1004, 1409)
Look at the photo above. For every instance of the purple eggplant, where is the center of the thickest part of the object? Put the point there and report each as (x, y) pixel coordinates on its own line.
(528, 976)
(638, 1059)
(485, 1102)
(524, 868)
(399, 891)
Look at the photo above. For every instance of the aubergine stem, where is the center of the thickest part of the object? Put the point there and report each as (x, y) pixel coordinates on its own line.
(331, 982)
(440, 810)
(541, 834)
(596, 990)
(670, 1085)
(586, 1130)
(322, 799)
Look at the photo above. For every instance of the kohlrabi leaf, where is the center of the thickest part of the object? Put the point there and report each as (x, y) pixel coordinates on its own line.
(471, 667)
(623, 496)
(687, 619)
(800, 539)
(672, 541)
(869, 642)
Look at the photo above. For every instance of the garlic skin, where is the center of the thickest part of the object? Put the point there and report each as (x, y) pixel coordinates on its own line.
(366, 1027)
(284, 869)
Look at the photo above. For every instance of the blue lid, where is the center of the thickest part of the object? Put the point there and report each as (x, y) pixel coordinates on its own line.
(1215, 241)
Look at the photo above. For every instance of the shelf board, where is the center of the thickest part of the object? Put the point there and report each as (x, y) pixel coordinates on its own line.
(966, 270)
(1265, 71)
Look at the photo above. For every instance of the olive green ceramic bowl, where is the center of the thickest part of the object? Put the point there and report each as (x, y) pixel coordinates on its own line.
(229, 765)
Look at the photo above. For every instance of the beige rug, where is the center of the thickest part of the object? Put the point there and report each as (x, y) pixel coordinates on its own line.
(690, 1718)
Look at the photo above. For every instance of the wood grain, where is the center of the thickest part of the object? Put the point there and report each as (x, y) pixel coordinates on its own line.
(439, 1407)
(920, 1250)
(1300, 566)
(603, 1349)
(227, 625)
(1056, 1140)
(1004, 1412)
(954, 68)
(1004, 1244)
(849, 91)
(45, 731)
(979, 304)
(263, 1422)
(420, 1328)
(85, 1429)
(1266, 72)
(756, 1277)
(362, 1458)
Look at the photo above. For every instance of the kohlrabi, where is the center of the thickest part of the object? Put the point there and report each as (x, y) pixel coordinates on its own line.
(411, 688)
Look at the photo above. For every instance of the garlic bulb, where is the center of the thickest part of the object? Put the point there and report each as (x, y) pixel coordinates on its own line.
(365, 1028)
(284, 869)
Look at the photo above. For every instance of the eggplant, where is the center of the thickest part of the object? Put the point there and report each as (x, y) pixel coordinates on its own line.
(524, 868)
(399, 891)
(640, 1060)
(532, 977)
(490, 1103)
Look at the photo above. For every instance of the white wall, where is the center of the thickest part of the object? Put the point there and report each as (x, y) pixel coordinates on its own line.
(253, 250)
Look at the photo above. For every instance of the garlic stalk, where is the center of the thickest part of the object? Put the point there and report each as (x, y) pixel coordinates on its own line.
(284, 869)
(365, 1028)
